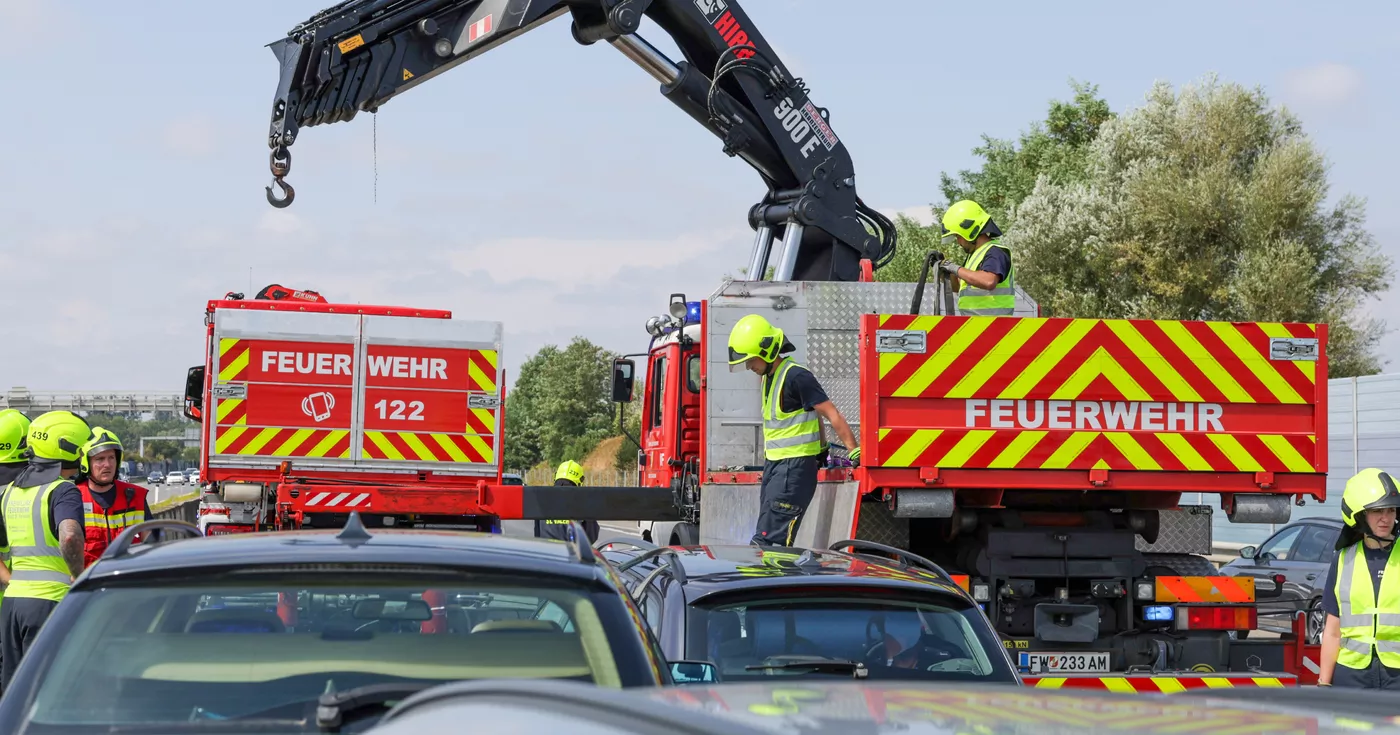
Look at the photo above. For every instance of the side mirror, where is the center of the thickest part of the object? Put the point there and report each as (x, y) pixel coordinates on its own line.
(623, 372)
(1248, 552)
(694, 672)
(392, 610)
(194, 393)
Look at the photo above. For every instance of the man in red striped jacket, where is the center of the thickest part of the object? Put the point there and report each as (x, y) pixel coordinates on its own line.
(110, 506)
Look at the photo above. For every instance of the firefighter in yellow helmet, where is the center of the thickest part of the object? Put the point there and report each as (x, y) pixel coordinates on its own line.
(1361, 640)
(41, 514)
(793, 445)
(14, 435)
(569, 474)
(988, 281)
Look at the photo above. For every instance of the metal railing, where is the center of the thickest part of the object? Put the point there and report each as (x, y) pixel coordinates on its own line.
(32, 402)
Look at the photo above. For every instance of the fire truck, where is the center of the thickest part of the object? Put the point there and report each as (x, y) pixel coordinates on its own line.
(311, 410)
(1046, 459)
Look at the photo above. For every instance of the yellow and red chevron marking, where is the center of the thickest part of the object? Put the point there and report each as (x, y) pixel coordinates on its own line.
(481, 421)
(1205, 589)
(233, 360)
(1157, 684)
(1085, 450)
(426, 447)
(481, 371)
(963, 581)
(231, 412)
(277, 442)
(1134, 360)
(1177, 365)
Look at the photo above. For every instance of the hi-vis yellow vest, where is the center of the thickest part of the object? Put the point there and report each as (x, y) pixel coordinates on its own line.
(787, 435)
(37, 568)
(1366, 622)
(1000, 301)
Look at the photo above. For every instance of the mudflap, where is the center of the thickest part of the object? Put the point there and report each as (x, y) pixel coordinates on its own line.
(728, 513)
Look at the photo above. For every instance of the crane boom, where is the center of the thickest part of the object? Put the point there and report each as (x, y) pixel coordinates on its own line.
(359, 54)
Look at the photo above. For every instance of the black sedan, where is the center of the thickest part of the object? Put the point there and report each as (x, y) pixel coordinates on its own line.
(249, 632)
(758, 613)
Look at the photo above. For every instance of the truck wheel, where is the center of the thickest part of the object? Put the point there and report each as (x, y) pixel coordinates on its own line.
(1181, 565)
(685, 534)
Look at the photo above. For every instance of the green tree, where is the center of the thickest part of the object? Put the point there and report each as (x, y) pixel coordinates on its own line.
(1208, 203)
(559, 408)
(1056, 148)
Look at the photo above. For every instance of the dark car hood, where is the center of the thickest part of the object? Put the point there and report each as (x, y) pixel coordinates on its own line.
(852, 708)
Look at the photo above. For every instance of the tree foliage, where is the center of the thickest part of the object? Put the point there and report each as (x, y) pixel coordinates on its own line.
(1204, 203)
(559, 408)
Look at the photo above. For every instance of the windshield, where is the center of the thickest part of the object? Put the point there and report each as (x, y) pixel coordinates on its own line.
(214, 651)
(893, 638)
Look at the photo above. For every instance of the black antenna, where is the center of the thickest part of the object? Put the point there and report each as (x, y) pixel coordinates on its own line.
(354, 532)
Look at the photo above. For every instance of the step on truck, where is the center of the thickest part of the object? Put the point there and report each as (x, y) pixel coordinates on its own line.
(311, 410)
(1051, 461)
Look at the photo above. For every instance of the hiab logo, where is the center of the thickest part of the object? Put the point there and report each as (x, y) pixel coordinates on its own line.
(711, 8)
(318, 406)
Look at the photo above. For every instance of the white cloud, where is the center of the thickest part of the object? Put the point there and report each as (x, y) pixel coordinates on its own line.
(194, 137)
(1325, 85)
(921, 214)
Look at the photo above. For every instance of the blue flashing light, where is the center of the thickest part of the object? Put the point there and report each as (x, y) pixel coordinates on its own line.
(692, 312)
(1159, 613)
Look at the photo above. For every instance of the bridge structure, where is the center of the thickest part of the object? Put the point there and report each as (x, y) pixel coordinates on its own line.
(34, 403)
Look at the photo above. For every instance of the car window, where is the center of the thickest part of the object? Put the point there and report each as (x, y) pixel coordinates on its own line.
(692, 374)
(1281, 545)
(1315, 544)
(167, 654)
(657, 385)
(895, 639)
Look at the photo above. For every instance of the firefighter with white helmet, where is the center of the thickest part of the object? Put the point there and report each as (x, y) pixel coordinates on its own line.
(1361, 641)
(988, 281)
(41, 514)
(793, 445)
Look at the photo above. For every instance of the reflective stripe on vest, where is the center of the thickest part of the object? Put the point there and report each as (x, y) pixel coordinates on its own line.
(102, 526)
(1365, 623)
(37, 566)
(787, 435)
(1000, 301)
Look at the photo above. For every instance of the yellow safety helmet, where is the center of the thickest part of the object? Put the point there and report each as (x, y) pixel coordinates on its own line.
(753, 336)
(1368, 489)
(101, 441)
(571, 471)
(59, 435)
(14, 430)
(966, 218)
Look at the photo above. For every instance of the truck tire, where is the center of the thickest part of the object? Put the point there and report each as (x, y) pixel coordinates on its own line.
(685, 534)
(1180, 565)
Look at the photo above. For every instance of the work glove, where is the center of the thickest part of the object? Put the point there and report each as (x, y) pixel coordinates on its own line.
(949, 267)
(854, 457)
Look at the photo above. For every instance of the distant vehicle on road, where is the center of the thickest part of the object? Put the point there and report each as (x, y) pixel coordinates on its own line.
(260, 627)
(192, 477)
(175, 477)
(155, 478)
(1302, 552)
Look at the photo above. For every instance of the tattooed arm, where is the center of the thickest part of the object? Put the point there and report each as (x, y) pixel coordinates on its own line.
(70, 542)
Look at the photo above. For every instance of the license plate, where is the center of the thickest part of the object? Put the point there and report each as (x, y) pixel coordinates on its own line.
(1065, 663)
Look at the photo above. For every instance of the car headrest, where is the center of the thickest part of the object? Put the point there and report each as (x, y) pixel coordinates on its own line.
(518, 626)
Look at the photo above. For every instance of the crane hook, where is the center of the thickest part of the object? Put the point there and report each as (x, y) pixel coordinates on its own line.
(287, 190)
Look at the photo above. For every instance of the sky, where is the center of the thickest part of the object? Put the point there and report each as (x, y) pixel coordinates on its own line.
(547, 185)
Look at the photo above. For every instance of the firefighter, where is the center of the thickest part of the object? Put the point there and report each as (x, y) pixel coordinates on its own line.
(569, 474)
(988, 269)
(14, 430)
(793, 446)
(1361, 642)
(41, 514)
(110, 506)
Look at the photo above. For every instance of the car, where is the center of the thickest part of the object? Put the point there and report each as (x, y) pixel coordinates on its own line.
(155, 478)
(781, 707)
(510, 478)
(160, 637)
(1302, 552)
(175, 477)
(192, 477)
(756, 612)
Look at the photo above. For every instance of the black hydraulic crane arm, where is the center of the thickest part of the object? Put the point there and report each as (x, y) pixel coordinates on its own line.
(361, 53)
